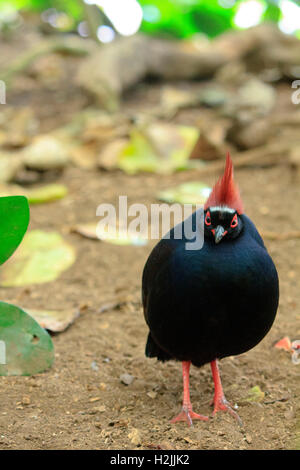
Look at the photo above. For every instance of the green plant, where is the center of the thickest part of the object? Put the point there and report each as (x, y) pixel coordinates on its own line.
(26, 348)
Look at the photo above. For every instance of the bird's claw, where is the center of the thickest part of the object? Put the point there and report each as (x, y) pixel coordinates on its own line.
(222, 404)
(188, 415)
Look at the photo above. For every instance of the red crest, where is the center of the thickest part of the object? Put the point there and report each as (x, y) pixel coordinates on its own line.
(225, 192)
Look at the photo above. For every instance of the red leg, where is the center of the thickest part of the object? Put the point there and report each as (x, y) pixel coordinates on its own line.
(187, 413)
(220, 403)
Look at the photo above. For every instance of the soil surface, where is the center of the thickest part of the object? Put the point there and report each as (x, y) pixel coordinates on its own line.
(81, 402)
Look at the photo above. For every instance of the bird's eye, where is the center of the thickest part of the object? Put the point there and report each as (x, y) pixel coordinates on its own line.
(207, 219)
(234, 222)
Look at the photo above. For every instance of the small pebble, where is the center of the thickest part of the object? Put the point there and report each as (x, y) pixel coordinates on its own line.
(94, 366)
(126, 379)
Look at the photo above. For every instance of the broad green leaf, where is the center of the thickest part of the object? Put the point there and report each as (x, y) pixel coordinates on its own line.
(42, 257)
(25, 347)
(186, 193)
(14, 219)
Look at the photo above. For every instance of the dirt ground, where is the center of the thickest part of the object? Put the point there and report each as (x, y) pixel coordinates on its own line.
(81, 402)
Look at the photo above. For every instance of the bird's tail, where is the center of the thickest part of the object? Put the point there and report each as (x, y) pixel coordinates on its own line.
(153, 350)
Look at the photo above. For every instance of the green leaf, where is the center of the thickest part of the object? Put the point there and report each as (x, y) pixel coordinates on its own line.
(42, 257)
(255, 394)
(40, 195)
(25, 347)
(14, 219)
(138, 155)
(48, 193)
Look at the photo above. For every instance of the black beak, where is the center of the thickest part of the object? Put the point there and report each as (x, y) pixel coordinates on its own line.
(219, 232)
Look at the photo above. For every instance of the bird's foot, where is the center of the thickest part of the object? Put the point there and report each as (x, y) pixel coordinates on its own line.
(187, 414)
(221, 404)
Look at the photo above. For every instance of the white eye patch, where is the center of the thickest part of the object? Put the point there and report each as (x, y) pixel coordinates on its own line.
(222, 209)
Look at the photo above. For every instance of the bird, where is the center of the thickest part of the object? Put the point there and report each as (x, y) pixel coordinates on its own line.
(202, 305)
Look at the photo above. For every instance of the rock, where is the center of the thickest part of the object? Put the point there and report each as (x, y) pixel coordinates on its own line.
(19, 125)
(213, 96)
(254, 99)
(10, 165)
(126, 379)
(211, 142)
(109, 155)
(94, 366)
(135, 437)
(45, 153)
(250, 135)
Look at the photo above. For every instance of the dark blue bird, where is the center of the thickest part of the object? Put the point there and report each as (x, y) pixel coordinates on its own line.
(215, 301)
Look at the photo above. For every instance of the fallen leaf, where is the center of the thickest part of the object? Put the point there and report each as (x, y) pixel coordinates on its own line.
(121, 236)
(48, 193)
(138, 155)
(159, 148)
(28, 347)
(54, 320)
(284, 343)
(186, 193)
(255, 394)
(42, 257)
(86, 230)
(40, 195)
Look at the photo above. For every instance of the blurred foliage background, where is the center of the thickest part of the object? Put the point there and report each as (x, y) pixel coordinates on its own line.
(105, 19)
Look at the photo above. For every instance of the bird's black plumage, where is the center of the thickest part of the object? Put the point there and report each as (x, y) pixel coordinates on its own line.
(206, 304)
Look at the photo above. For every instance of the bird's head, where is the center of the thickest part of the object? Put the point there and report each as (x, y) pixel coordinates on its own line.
(223, 208)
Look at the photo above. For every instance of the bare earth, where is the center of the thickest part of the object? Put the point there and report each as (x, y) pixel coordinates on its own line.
(82, 404)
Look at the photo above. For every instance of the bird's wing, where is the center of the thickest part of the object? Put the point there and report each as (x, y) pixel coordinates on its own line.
(160, 255)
